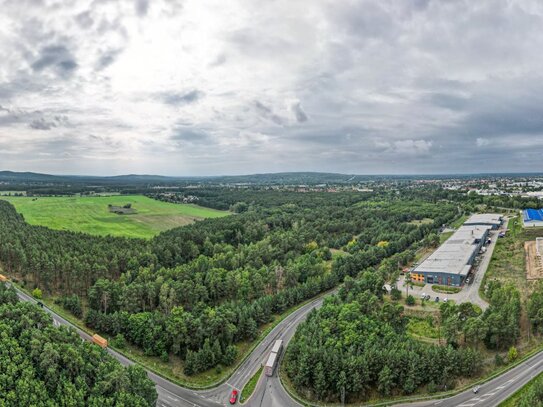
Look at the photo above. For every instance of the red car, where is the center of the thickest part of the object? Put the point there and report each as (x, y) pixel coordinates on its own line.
(234, 397)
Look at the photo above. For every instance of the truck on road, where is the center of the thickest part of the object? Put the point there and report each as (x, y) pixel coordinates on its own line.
(273, 359)
(98, 340)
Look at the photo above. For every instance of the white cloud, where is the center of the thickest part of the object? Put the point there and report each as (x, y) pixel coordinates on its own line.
(185, 87)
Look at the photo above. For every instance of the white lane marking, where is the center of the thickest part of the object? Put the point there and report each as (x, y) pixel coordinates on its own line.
(181, 398)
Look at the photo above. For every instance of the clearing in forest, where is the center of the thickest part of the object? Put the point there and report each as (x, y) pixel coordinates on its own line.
(93, 215)
(534, 263)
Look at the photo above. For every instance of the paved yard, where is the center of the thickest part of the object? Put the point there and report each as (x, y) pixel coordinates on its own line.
(470, 292)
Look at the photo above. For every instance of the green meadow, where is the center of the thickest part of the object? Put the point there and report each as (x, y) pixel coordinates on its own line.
(91, 214)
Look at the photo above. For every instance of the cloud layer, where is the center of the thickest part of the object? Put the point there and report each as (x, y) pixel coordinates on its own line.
(189, 87)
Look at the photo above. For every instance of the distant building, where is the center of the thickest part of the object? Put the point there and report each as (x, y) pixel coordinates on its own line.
(451, 263)
(493, 220)
(532, 217)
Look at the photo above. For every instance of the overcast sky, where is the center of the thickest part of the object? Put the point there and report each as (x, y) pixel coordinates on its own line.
(203, 87)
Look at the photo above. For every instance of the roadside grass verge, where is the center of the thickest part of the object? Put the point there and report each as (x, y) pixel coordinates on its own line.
(249, 388)
(173, 369)
(468, 384)
(514, 399)
(459, 222)
(443, 237)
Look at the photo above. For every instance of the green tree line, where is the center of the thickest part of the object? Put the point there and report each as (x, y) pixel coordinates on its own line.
(42, 365)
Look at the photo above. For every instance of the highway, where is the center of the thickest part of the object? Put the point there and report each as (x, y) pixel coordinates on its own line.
(172, 395)
(270, 392)
(495, 391)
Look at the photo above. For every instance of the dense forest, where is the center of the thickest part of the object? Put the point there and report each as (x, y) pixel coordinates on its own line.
(42, 365)
(196, 291)
(356, 346)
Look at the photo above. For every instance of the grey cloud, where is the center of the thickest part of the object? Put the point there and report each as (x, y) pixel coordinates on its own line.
(107, 58)
(85, 19)
(267, 113)
(179, 99)
(142, 7)
(57, 57)
(42, 123)
(220, 60)
(448, 101)
(189, 134)
(299, 112)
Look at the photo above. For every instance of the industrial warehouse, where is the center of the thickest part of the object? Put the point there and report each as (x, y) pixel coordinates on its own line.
(451, 263)
(532, 217)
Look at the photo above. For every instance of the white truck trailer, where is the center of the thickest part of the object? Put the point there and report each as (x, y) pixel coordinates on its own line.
(273, 359)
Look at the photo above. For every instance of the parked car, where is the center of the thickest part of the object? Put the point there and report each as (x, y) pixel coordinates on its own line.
(427, 297)
(423, 296)
(234, 397)
(476, 389)
(445, 300)
(40, 304)
(437, 299)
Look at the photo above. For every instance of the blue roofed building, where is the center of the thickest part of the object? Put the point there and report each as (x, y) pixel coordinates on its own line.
(532, 217)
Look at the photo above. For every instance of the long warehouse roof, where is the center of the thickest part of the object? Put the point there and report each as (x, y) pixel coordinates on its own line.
(484, 219)
(454, 255)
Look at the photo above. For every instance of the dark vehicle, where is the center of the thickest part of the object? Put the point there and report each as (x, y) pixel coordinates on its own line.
(234, 397)
(40, 304)
(437, 299)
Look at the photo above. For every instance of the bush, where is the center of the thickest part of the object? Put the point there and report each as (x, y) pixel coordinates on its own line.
(119, 341)
(165, 357)
(432, 388)
(498, 360)
(36, 293)
(395, 294)
(410, 300)
(512, 355)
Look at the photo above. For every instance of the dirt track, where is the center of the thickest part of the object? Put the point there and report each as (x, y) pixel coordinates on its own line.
(534, 266)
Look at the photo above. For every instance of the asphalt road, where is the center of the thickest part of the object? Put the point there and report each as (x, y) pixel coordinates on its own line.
(269, 391)
(495, 391)
(172, 395)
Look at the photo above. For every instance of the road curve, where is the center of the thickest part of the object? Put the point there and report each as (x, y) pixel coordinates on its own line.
(172, 395)
(493, 392)
(270, 392)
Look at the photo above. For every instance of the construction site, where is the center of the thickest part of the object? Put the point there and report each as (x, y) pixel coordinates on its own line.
(534, 259)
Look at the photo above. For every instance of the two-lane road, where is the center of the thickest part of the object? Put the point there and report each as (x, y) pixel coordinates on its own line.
(270, 392)
(495, 391)
(172, 395)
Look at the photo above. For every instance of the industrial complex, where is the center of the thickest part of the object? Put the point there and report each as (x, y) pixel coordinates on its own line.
(451, 263)
(532, 217)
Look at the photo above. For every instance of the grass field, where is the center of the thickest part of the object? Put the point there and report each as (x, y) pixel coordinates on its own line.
(91, 214)
(508, 262)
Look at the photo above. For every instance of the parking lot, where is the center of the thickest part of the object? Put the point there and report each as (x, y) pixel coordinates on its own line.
(470, 292)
